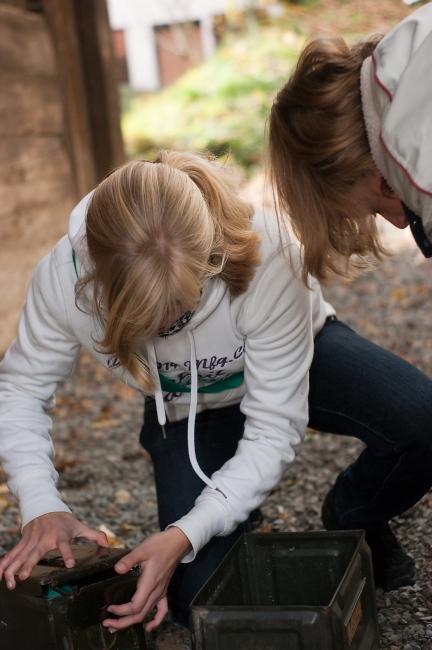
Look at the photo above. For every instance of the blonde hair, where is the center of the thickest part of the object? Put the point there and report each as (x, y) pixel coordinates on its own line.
(155, 232)
(318, 151)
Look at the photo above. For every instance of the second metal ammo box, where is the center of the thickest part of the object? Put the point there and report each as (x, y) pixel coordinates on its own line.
(289, 591)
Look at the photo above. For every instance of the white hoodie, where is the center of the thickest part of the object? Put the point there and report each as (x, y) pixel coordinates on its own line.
(266, 334)
(396, 87)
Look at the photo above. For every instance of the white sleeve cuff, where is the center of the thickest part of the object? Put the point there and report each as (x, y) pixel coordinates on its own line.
(41, 506)
(206, 520)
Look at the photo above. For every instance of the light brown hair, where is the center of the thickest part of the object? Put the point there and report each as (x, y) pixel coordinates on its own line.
(318, 153)
(155, 231)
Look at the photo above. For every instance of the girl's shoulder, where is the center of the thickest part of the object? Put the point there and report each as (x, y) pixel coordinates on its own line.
(62, 261)
(55, 274)
(278, 273)
(275, 239)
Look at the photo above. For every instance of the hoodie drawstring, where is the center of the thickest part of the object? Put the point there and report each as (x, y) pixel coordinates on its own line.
(160, 406)
(192, 414)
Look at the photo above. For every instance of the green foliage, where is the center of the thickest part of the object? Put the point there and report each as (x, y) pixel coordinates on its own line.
(220, 106)
(306, 3)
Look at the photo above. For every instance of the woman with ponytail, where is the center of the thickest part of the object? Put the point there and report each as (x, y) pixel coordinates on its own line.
(350, 138)
(171, 281)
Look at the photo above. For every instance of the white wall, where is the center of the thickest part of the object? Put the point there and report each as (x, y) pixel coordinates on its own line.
(159, 12)
(137, 19)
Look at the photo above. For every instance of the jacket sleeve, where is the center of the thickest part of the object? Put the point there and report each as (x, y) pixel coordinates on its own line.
(43, 353)
(276, 320)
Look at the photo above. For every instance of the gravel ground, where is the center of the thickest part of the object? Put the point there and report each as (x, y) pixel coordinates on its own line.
(107, 479)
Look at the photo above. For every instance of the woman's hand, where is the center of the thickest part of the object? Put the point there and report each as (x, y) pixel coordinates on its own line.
(45, 533)
(158, 556)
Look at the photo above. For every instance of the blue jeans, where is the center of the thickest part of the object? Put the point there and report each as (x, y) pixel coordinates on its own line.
(359, 389)
(356, 389)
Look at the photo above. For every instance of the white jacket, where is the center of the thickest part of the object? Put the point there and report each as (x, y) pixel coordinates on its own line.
(396, 87)
(266, 333)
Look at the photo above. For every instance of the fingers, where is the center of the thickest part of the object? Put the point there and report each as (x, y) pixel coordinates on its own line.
(117, 624)
(161, 612)
(9, 573)
(24, 557)
(133, 612)
(139, 601)
(22, 565)
(21, 560)
(29, 561)
(66, 553)
(101, 539)
(14, 561)
(137, 615)
(9, 557)
(42, 534)
(128, 561)
(96, 536)
(128, 609)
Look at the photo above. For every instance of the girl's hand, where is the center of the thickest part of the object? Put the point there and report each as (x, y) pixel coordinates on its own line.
(45, 533)
(158, 556)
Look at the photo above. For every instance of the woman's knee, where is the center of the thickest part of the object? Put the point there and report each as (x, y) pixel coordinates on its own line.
(418, 438)
(418, 415)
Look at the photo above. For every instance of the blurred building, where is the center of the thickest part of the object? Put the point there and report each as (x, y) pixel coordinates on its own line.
(156, 41)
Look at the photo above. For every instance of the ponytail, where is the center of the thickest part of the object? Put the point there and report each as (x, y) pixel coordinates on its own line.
(319, 152)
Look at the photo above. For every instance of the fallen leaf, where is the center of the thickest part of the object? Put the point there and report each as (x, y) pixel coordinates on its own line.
(128, 528)
(122, 496)
(112, 539)
(398, 294)
(422, 289)
(132, 456)
(4, 504)
(266, 528)
(63, 462)
(104, 423)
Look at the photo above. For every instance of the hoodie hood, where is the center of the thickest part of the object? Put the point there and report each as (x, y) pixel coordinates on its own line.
(396, 89)
(77, 232)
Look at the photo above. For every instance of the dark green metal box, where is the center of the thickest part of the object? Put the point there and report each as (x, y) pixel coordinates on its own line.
(62, 609)
(289, 591)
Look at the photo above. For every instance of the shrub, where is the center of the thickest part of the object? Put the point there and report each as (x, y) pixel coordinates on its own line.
(220, 106)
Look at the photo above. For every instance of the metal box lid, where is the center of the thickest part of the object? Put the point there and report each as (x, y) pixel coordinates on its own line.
(50, 571)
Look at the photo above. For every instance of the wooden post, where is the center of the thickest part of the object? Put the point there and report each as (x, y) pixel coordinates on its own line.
(18, 4)
(61, 21)
(83, 42)
(94, 33)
